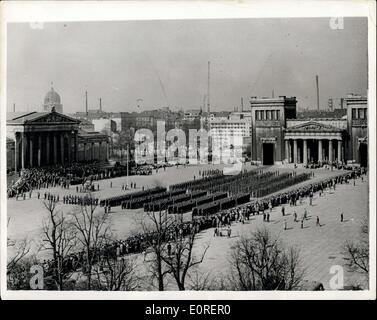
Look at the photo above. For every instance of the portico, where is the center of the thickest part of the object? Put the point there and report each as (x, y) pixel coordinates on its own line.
(314, 142)
(43, 138)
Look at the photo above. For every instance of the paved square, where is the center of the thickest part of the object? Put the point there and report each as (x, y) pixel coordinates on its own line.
(320, 247)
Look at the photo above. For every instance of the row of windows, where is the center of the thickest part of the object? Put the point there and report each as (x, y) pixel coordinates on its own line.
(267, 114)
(359, 113)
(228, 127)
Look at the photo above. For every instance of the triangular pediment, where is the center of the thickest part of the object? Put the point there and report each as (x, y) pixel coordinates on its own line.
(314, 126)
(53, 117)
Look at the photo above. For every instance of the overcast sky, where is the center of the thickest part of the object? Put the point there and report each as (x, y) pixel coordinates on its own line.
(164, 63)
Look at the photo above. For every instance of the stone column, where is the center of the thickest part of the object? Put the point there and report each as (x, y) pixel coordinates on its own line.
(309, 154)
(84, 151)
(39, 149)
(48, 156)
(99, 150)
(295, 150)
(287, 150)
(62, 160)
(31, 138)
(75, 146)
(55, 149)
(320, 151)
(340, 156)
(330, 150)
(23, 149)
(92, 152)
(16, 142)
(107, 151)
(305, 152)
(69, 148)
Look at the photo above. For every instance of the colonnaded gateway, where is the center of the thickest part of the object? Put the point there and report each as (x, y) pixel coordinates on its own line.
(279, 135)
(47, 138)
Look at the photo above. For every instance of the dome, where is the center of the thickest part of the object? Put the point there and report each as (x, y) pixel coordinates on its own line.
(52, 97)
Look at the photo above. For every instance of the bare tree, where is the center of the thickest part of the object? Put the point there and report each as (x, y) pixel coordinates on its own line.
(20, 249)
(157, 224)
(114, 273)
(199, 281)
(260, 262)
(182, 259)
(356, 253)
(92, 231)
(59, 237)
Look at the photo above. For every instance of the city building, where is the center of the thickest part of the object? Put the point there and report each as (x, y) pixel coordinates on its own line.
(269, 116)
(36, 139)
(231, 130)
(279, 134)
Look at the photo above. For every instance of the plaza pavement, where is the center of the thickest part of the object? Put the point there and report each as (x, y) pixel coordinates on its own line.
(320, 246)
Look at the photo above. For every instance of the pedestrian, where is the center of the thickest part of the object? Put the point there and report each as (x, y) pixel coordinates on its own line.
(341, 217)
(302, 224)
(285, 225)
(317, 223)
(295, 216)
(283, 210)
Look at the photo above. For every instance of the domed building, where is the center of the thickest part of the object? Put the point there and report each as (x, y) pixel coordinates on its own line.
(37, 139)
(52, 100)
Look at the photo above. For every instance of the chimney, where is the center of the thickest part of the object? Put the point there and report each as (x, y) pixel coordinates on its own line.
(316, 81)
(14, 107)
(86, 103)
(208, 84)
(100, 105)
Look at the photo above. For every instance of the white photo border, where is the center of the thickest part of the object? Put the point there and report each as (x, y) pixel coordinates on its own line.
(42, 11)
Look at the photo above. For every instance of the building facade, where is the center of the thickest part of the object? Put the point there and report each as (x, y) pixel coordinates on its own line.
(279, 134)
(52, 101)
(39, 139)
(269, 117)
(357, 128)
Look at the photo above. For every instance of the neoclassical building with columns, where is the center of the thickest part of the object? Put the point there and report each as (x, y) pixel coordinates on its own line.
(40, 139)
(279, 135)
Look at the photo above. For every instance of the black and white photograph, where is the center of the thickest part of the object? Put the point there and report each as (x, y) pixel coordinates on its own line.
(233, 154)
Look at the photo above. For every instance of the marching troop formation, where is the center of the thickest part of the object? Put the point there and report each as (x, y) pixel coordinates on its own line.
(219, 221)
(256, 182)
(216, 201)
(64, 176)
